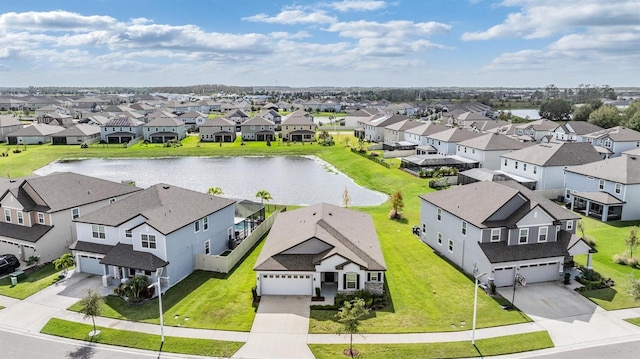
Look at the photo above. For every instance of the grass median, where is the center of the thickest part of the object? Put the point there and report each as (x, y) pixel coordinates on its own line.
(137, 340)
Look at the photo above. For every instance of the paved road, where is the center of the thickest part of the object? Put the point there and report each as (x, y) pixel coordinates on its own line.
(618, 350)
(28, 346)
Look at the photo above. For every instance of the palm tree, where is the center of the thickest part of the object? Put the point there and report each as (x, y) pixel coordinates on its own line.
(215, 191)
(65, 261)
(264, 195)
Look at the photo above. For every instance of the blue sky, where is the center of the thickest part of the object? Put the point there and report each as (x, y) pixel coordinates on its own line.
(410, 43)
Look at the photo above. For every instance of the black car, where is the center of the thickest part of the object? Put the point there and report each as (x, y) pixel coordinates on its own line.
(8, 263)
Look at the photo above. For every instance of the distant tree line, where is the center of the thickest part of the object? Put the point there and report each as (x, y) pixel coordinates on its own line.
(594, 111)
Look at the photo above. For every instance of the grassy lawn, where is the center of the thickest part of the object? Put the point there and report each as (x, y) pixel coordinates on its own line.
(610, 240)
(29, 284)
(129, 339)
(634, 321)
(202, 300)
(484, 347)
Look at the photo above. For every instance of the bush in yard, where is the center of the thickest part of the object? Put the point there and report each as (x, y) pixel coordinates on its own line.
(632, 262)
(620, 259)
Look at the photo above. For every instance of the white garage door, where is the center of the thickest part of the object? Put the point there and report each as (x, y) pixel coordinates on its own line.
(503, 276)
(540, 272)
(286, 284)
(90, 265)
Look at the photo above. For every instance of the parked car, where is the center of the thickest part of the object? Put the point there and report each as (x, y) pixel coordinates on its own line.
(8, 263)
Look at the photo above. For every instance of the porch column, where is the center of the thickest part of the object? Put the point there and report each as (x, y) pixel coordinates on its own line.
(586, 210)
(605, 212)
(589, 260)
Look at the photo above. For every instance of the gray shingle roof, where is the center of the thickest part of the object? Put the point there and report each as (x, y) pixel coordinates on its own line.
(37, 129)
(91, 247)
(64, 190)
(349, 233)
(498, 252)
(258, 121)
(79, 130)
(25, 233)
(454, 135)
(600, 197)
(493, 142)
(556, 154)
(123, 122)
(618, 134)
(166, 208)
(164, 121)
(123, 255)
(218, 121)
(622, 169)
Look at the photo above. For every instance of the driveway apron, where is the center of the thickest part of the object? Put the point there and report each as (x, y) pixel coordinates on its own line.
(280, 329)
(569, 317)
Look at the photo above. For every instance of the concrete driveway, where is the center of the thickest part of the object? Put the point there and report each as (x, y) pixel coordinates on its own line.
(280, 329)
(569, 317)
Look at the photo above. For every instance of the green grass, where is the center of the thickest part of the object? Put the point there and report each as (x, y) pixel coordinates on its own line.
(484, 347)
(129, 339)
(634, 321)
(29, 284)
(209, 300)
(610, 240)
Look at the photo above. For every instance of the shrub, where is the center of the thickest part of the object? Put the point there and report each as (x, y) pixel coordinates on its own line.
(590, 240)
(620, 259)
(632, 262)
(590, 274)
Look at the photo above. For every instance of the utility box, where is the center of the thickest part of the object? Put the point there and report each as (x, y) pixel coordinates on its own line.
(14, 280)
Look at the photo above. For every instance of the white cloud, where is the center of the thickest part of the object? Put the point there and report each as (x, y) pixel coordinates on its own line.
(288, 35)
(399, 28)
(295, 16)
(358, 5)
(53, 21)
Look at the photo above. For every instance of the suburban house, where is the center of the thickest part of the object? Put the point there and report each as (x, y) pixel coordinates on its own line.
(8, 124)
(38, 212)
(535, 130)
(372, 128)
(218, 129)
(487, 149)
(56, 119)
(121, 130)
(35, 134)
(394, 135)
(77, 135)
(615, 139)
(606, 190)
(298, 127)
(163, 129)
(544, 164)
(238, 117)
(502, 229)
(320, 246)
(272, 115)
(445, 142)
(193, 119)
(258, 129)
(419, 135)
(574, 130)
(163, 226)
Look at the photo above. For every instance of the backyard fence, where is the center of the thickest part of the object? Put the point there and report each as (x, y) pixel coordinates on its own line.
(224, 263)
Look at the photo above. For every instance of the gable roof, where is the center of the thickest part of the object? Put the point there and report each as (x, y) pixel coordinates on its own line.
(540, 125)
(218, 121)
(64, 190)
(6, 121)
(37, 129)
(123, 255)
(123, 122)
(80, 129)
(258, 121)
(164, 121)
(348, 233)
(622, 169)
(403, 125)
(454, 135)
(427, 128)
(477, 202)
(493, 142)
(165, 207)
(556, 154)
(618, 134)
(581, 127)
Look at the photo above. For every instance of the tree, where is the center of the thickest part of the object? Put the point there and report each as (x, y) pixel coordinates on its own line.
(635, 287)
(349, 316)
(633, 240)
(581, 113)
(215, 191)
(65, 261)
(397, 203)
(90, 306)
(135, 286)
(555, 109)
(264, 195)
(632, 116)
(606, 116)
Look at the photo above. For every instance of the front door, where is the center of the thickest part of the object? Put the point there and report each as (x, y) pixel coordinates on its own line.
(329, 277)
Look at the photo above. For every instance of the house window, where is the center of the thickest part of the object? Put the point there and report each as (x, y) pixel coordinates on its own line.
(196, 226)
(127, 233)
(41, 218)
(618, 188)
(20, 218)
(542, 234)
(569, 225)
(424, 228)
(205, 223)
(567, 193)
(148, 241)
(75, 213)
(97, 231)
(112, 200)
(473, 150)
(601, 185)
(207, 247)
(495, 234)
(351, 281)
(505, 162)
(607, 143)
(464, 228)
(524, 167)
(439, 238)
(516, 164)
(374, 276)
(439, 214)
(451, 245)
(523, 236)
(535, 169)
(7, 215)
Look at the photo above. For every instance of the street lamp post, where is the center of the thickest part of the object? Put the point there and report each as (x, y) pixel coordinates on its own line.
(158, 274)
(475, 308)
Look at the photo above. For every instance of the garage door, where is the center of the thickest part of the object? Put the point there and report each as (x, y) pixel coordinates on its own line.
(503, 276)
(286, 284)
(540, 272)
(91, 265)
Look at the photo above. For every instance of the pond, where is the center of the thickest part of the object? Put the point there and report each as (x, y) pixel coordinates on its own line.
(531, 114)
(300, 180)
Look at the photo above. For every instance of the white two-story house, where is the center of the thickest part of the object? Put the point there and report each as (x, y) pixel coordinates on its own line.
(615, 140)
(487, 149)
(501, 228)
(163, 226)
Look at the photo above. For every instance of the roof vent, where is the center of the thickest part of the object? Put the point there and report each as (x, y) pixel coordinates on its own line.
(633, 157)
(165, 187)
(331, 214)
(314, 213)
